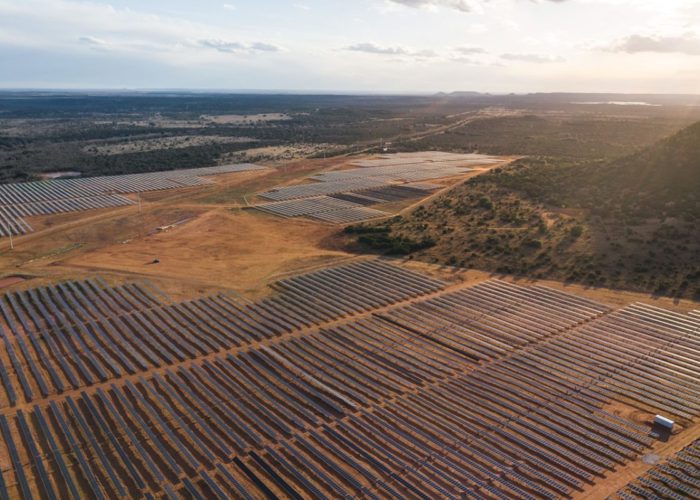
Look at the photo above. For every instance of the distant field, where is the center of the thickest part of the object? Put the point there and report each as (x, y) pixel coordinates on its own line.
(100, 135)
(178, 142)
(567, 134)
(245, 119)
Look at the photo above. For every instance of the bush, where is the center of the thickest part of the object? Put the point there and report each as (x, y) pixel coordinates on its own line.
(532, 243)
(359, 229)
(485, 203)
(395, 245)
(576, 231)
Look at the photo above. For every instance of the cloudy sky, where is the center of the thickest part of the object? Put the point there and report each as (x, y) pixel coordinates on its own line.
(356, 45)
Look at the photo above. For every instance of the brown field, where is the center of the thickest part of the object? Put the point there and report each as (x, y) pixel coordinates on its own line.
(220, 247)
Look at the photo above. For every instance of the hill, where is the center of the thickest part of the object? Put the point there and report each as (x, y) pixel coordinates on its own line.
(662, 179)
(628, 223)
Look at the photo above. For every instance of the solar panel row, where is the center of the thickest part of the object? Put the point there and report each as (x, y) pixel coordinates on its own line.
(323, 208)
(678, 477)
(394, 173)
(490, 390)
(75, 334)
(69, 195)
(389, 179)
(320, 189)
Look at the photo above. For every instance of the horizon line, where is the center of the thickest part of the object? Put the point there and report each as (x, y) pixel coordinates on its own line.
(330, 92)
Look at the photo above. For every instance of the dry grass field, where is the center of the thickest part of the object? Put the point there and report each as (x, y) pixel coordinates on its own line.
(354, 376)
(220, 247)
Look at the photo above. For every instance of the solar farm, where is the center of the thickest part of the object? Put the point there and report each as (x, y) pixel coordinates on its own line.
(26, 199)
(246, 356)
(366, 379)
(342, 196)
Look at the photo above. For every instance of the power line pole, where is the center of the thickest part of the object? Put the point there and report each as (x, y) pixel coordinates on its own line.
(12, 245)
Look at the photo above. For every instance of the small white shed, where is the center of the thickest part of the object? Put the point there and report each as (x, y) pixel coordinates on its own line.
(664, 422)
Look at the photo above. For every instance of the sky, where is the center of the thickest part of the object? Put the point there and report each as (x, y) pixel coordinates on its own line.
(405, 46)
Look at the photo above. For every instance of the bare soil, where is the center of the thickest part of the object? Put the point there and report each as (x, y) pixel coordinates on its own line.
(238, 250)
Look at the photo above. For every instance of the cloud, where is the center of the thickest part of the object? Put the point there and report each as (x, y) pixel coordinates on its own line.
(123, 31)
(91, 40)
(470, 50)
(461, 55)
(400, 53)
(467, 55)
(427, 53)
(237, 47)
(265, 47)
(460, 5)
(531, 58)
(370, 48)
(687, 43)
(221, 45)
(465, 60)
(229, 6)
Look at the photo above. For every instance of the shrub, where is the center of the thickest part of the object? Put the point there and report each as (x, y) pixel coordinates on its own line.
(576, 231)
(359, 229)
(485, 203)
(394, 244)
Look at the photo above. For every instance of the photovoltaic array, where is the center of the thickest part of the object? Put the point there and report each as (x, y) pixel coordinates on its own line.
(676, 478)
(360, 380)
(70, 195)
(320, 189)
(378, 180)
(324, 208)
(347, 207)
(425, 157)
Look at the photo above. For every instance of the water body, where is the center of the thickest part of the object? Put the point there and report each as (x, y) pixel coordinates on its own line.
(618, 103)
